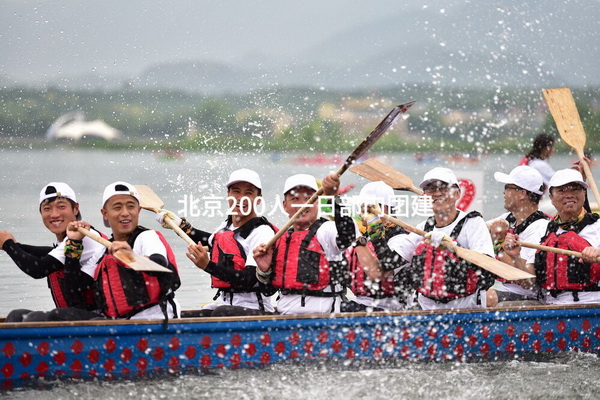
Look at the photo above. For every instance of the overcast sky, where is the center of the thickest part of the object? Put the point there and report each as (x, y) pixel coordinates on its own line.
(116, 36)
(43, 39)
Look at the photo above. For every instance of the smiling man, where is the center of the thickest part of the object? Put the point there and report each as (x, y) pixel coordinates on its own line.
(58, 207)
(566, 279)
(441, 279)
(231, 265)
(122, 292)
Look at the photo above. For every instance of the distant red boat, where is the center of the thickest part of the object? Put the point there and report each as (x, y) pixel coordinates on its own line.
(319, 159)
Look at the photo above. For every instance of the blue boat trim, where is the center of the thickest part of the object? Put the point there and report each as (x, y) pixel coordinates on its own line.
(129, 349)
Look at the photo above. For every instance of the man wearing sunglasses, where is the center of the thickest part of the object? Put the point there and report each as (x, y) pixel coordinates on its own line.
(441, 279)
(566, 279)
(523, 189)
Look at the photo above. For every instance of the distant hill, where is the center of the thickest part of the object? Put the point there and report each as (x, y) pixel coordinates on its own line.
(479, 42)
(474, 43)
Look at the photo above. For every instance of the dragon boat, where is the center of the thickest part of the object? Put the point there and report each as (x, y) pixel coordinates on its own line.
(127, 349)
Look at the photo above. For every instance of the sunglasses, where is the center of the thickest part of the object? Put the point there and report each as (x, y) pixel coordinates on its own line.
(434, 188)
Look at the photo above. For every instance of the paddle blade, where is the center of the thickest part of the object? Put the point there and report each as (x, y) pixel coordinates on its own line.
(128, 257)
(148, 199)
(492, 265)
(379, 130)
(375, 170)
(564, 111)
(139, 263)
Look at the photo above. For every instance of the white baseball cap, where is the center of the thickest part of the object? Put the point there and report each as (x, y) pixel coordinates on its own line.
(117, 188)
(57, 189)
(244, 175)
(524, 177)
(564, 176)
(379, 192)
(300, 180)
(439, 174)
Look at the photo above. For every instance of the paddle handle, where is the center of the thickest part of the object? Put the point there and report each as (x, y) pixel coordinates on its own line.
(403, 224)
(488, 263)
(553, 250)
(97, 238)
(590, 178)
(178, 230)
(173, 226)
(450, 245)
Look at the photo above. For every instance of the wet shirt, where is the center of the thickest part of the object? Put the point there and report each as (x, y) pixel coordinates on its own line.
(474, 235)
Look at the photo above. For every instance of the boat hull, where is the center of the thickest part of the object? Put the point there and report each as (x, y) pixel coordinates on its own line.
(130, 349)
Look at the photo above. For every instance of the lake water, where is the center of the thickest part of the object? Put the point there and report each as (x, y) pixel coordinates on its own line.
(201, 177)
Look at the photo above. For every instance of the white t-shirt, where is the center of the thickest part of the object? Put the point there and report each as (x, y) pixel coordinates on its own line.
(474, 235)
(147, 243)
(292, 303)
(259, 235)
(591, 233)
(90, 247)
(532, 234)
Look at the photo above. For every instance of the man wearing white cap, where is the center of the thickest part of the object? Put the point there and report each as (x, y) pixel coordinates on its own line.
(122, 292)
(566, 279)
(375, 269)
(441, 279)
(231, 265)
(307, 262)
(58, 207)
(523, 189)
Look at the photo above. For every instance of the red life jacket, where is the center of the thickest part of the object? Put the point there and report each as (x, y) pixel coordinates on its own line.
(122, 292)
(300, 265)
(56, 283)
(558, 272)
(360, 283)
(227, 252)
(440, 275)
(517, 230)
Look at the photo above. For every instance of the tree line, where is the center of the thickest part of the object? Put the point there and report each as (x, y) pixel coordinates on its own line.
(443, 119)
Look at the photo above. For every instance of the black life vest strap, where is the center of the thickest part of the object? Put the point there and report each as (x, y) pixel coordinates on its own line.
(588, 219)
(232, 291)
(518, 229)
(131, 241)
(245, 230)
(430, 224)
(314, 293)
(312, 231)
(169, 299)
(445, 300)
(555, 293)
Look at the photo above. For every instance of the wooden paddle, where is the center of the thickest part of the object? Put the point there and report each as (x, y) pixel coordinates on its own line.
(484, 261)
(362, 148)
(564, 111)
(553, 249)
(151, 202)
(375, 170)
(128, 257)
